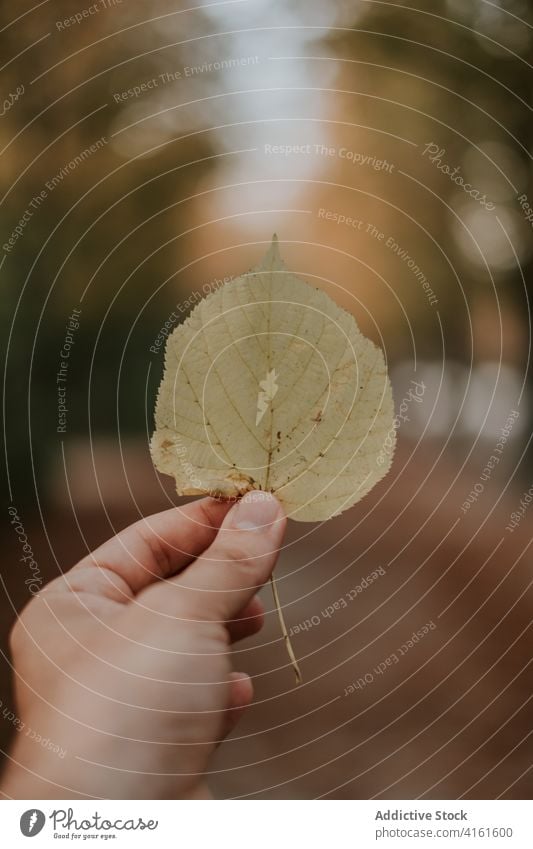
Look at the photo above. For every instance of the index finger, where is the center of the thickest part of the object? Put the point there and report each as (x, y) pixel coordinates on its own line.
(153, 548)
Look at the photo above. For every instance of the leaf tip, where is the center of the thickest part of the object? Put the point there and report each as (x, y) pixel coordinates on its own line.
(273, 257)
(274, 247)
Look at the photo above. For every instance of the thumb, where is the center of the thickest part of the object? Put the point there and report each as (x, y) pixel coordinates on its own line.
(219, 584)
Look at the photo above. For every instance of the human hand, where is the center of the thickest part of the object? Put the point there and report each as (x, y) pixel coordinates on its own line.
(125, 661)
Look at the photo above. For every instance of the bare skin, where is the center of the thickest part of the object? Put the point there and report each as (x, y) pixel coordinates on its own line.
(125, 661)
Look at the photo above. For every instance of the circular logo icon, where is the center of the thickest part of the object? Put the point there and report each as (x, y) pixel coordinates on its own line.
(32, 822)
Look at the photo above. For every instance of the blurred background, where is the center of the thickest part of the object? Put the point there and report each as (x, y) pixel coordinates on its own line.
(148, 152)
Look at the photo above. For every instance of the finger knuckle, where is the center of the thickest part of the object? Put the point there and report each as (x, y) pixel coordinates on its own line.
(238, 556)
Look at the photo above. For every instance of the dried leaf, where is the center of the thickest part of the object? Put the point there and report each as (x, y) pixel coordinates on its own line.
(270, 385)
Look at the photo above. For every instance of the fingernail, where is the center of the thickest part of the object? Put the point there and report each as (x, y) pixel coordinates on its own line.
(239, 676)
(256, 511)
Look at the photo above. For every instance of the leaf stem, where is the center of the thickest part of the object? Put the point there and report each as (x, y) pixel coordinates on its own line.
(287, 639)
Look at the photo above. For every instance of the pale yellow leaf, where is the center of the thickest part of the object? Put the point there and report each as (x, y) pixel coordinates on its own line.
(270, 385)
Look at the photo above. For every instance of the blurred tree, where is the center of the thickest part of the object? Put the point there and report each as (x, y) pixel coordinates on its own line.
(112, 204)
(456, 75)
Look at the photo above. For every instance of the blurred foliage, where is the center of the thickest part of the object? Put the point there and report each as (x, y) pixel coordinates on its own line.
(456, 74)
(110, 225)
